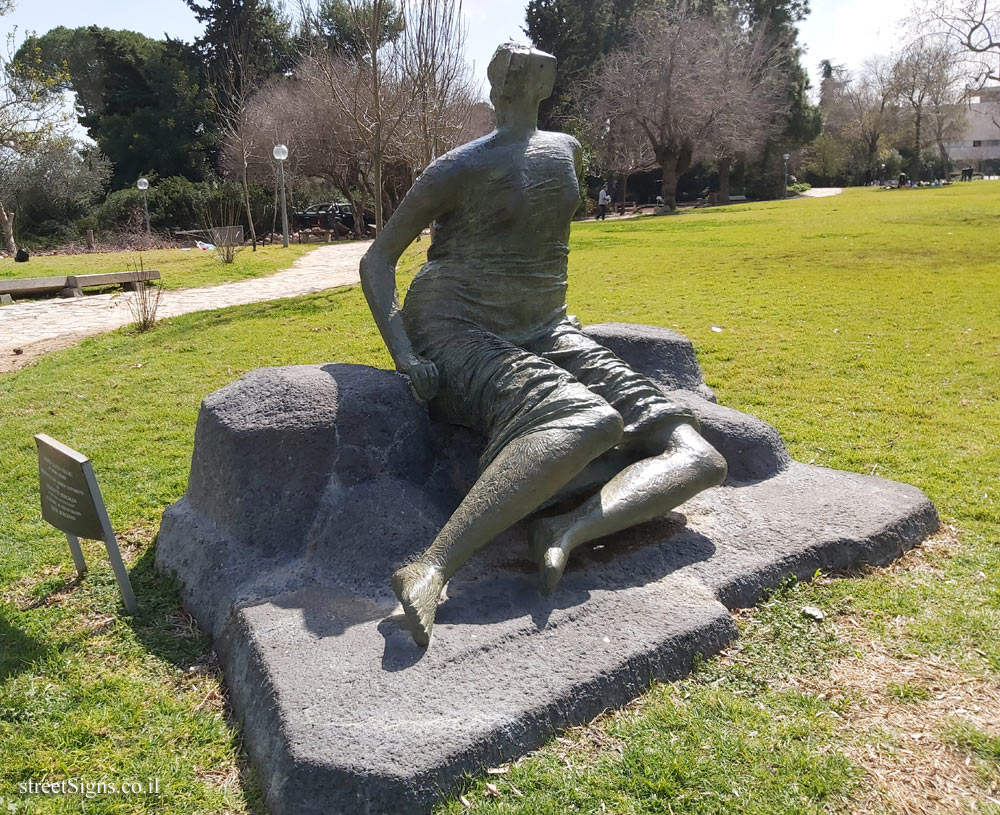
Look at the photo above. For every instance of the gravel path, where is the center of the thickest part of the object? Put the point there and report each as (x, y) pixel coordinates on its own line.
(32, 328)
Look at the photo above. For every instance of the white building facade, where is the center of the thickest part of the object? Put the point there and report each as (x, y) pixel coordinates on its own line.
(979, 146)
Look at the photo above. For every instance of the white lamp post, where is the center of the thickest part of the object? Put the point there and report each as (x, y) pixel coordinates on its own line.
(280, 153)
(143, 185)
(786, 157)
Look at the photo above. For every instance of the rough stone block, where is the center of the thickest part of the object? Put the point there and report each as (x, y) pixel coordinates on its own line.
(311, 484)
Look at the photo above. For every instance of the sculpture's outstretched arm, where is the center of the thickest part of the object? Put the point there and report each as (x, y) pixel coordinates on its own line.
(425, 201)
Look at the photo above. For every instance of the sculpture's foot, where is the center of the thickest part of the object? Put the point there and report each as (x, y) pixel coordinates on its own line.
(551, 550)
(418, 587)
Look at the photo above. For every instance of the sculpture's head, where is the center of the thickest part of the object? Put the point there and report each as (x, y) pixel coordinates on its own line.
(520, 76)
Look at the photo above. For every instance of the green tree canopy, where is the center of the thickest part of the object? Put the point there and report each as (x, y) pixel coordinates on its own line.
(257, 22)
(242, 36)
(140, 99)
(337, 24)
(53, 184)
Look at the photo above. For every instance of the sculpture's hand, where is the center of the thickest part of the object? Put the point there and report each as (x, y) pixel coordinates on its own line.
(423, 376)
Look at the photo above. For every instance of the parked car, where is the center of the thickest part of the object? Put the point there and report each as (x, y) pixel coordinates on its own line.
(325, 215)
(322, 215)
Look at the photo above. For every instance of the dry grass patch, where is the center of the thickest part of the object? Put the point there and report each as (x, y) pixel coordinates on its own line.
(896, 719)
(898, 710)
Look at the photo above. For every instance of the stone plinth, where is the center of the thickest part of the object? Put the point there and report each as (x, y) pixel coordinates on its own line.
(311, 484)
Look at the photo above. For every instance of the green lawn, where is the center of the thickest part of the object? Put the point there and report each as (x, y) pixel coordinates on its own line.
(179, 268)
(866, 327)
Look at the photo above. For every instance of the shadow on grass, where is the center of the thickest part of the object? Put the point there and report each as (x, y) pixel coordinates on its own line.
(166, 630)
(302, 306)
(18, 650)
(161, 625)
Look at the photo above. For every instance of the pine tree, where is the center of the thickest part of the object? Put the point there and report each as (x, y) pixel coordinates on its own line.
(253, 29)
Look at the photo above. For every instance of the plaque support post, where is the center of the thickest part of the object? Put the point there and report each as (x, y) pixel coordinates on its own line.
(114, 555)
(74, 547)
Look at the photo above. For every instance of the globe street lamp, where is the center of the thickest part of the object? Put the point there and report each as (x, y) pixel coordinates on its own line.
(280, 153)
(143, 185)
(786, 157)
(881, 180)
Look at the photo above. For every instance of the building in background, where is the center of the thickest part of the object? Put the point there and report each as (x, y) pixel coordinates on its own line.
(979, 146)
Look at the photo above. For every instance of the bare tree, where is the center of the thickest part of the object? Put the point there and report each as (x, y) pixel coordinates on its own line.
(274, 116)
(350, 143)
(911, 78)
(947, 93)
(434, 68)
(620, 145)
(481, 120)
(381, 91)
(973, 27)
(691, 82)
(928, 78)
(866, 112)
(368, 89)
(233, 89)
(754, 76)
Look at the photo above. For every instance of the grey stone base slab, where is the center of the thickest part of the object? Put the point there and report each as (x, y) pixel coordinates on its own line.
(310, 484)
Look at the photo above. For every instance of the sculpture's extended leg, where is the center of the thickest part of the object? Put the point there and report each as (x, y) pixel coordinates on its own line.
(524, 475)
(686, 465)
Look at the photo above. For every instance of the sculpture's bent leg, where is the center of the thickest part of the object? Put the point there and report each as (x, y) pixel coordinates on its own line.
(685, 465)
(527, 472)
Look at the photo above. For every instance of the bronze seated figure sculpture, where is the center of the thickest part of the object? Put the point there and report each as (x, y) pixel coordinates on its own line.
(484, 334)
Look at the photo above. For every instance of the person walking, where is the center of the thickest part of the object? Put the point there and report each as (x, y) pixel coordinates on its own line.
(603, 199)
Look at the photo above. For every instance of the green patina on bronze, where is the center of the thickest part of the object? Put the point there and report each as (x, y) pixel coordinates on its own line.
(484, 334)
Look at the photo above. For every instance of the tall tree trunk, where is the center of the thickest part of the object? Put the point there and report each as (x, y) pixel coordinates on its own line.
(246, 202)
(377, 146)
(915, 172)
(674, 162)
(377, 160)
(670, 161)
(360, 227)
(7, 222)
(274, 215)
(872, 156)
(668, 188)
(724, 164)
(945, 161)
(739, 176)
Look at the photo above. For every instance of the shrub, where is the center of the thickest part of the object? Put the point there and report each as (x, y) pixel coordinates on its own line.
(174, 203)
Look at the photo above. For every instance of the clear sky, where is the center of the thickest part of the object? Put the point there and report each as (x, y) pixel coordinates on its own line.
(845, 31)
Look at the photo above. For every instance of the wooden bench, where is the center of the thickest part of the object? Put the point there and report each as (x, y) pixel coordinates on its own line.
(73, 285)
(737, 199)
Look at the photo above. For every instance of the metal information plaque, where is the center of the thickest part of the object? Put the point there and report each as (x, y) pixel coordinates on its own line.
(72, 503)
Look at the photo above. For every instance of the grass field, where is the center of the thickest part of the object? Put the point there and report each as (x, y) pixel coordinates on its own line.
(179, 268)
(866, 327)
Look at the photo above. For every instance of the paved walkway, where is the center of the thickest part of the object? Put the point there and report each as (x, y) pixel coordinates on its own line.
(30, 329)
(822, 192)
